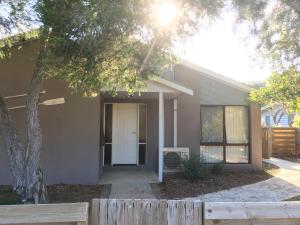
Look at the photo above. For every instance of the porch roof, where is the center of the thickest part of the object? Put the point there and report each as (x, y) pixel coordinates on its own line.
(157, 85)
(173, 85)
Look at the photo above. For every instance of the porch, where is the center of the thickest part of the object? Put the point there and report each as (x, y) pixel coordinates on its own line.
(134, 131)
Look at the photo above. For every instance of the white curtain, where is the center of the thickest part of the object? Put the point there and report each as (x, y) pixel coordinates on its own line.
(212, 123)
(236, 124)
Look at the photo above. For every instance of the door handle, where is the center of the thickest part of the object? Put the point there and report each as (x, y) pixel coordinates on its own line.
(134, 132)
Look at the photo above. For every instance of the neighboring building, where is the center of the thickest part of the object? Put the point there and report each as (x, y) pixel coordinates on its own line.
(276, 117)
(194, 108)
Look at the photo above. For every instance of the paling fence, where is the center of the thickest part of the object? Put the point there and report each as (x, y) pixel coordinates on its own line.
(192, 212)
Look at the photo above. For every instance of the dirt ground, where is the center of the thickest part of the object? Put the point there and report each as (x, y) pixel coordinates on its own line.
(176, 186)
(57, 193)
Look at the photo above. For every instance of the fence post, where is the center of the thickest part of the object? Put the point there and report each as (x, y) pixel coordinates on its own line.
(298, 142)
(270, 147)
(94, 212)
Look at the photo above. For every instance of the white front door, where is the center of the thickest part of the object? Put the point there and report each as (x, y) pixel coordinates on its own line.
(124, 137)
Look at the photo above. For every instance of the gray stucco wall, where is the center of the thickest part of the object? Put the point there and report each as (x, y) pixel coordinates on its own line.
(211, 92)
(70, 131)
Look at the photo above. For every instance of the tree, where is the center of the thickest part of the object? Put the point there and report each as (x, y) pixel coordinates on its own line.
(276, 24)
(92, 45)
(282, 89)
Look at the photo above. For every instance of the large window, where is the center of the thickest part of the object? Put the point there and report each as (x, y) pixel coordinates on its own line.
(224, 134)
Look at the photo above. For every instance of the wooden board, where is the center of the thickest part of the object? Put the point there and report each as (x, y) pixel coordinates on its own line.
(45, 213)
(252, 213)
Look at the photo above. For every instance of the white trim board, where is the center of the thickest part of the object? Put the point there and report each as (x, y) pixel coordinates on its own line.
(174, 85)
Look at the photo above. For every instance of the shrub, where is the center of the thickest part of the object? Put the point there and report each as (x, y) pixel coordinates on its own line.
(193, 169)
(217, 168)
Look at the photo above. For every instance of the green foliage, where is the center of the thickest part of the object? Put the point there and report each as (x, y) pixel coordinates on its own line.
(97, 45)
(282, 89)
(296, 122)
(277, 26)
(193, 169)
(17, 40)
(217, 168)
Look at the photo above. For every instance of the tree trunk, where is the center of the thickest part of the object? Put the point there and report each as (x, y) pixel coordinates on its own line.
(15, 151)
(25, 162)
(280, 117)
(35, 187)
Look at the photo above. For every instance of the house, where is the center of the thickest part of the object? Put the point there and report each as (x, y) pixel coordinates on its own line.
(193, 109)
(276, 117)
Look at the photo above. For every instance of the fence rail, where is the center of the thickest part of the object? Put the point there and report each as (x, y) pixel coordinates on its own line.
(254, 213)
(70, 213)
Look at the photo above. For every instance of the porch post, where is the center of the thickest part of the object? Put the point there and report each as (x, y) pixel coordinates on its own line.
(175, 122)
(161, 134)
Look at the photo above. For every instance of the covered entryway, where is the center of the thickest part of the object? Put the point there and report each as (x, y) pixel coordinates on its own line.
(134, 127)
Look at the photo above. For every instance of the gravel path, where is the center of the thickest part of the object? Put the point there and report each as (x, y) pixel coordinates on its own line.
(284, 185)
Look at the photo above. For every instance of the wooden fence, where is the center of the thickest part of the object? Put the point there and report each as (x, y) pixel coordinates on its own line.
(154, 212)
(280, 141)
(189, 212)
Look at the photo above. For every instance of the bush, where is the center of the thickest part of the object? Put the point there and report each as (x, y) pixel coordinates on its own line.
(193, 169)
(217, 168)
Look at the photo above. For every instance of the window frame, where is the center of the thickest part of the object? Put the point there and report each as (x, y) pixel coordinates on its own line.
(224, 142)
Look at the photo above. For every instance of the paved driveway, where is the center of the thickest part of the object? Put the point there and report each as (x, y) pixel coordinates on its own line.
(284, 185)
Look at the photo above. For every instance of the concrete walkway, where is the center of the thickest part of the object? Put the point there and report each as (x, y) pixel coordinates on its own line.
(129, 182)
(131, 191)
(284, 185)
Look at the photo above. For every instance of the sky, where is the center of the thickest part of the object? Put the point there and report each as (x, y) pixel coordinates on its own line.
(227, 49)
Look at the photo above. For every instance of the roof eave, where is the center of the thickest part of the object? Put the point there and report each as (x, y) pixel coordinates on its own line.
(217, 76)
